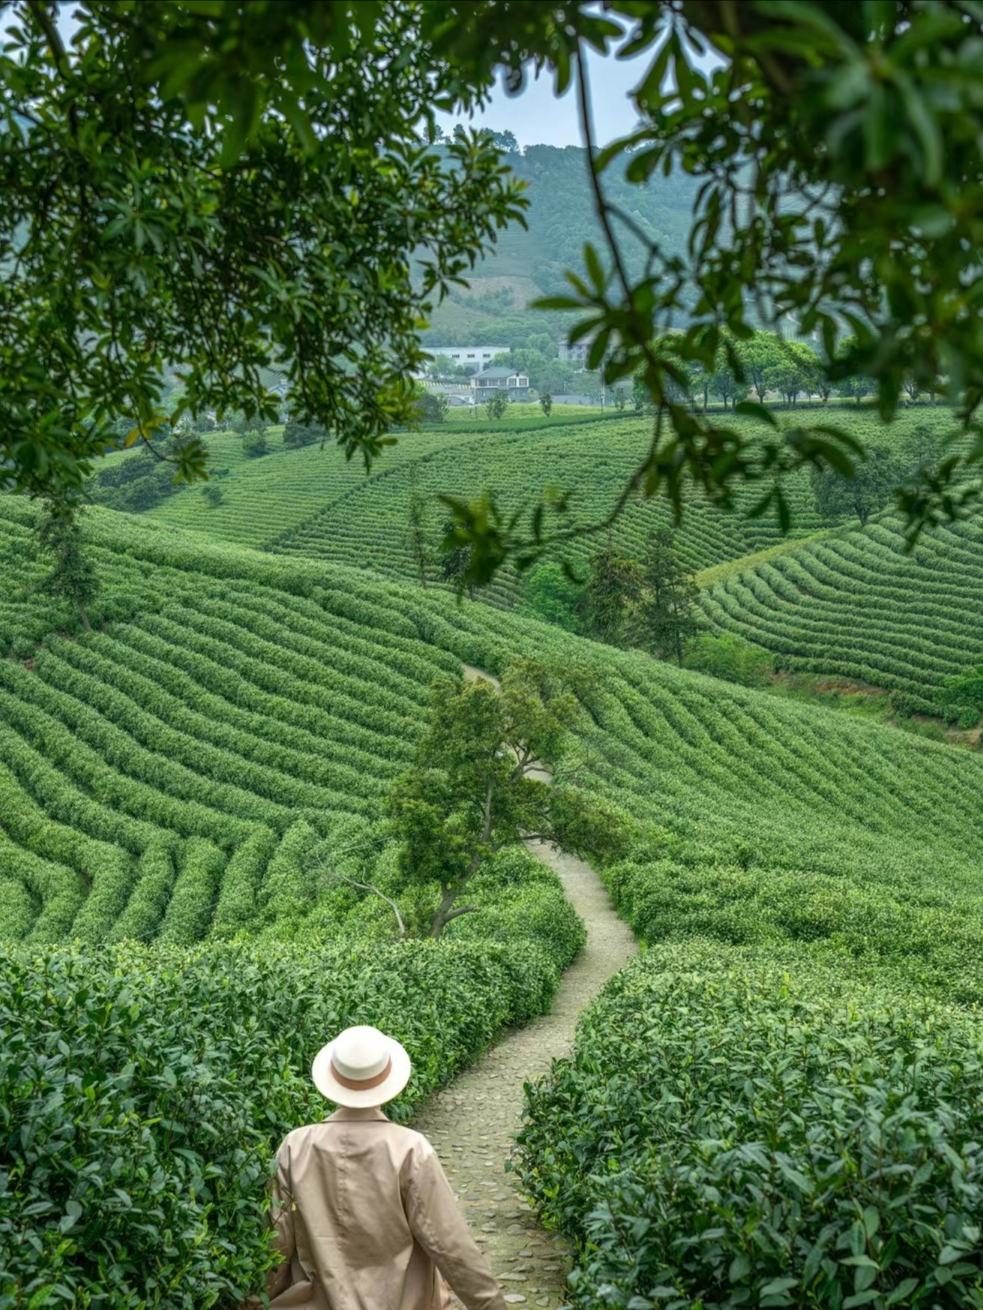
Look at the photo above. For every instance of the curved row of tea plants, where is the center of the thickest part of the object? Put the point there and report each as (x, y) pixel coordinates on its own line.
(858, 606)
(152, 769)
(367, 526)
(251, 500)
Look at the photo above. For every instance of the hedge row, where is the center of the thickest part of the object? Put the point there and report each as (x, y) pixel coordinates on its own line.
(858, 606)
(735, 1130)
(144, 1090)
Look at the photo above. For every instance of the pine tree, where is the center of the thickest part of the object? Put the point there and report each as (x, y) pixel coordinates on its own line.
(671, 616)
(73, 575)
(609, 603)
(418, 532)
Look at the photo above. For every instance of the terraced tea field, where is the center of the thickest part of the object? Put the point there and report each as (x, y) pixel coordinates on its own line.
(856, 606)
(234, 706)
(267, 496)
(180, 786)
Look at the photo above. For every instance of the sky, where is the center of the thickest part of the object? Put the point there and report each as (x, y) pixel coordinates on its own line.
(537, 117)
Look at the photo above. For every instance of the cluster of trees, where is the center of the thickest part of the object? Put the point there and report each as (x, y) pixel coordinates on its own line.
(768, 364)
(140, 481)
(653, 603)
(297, 434)
(876, 477)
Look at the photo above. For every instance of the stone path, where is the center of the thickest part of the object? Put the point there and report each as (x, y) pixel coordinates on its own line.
(471, 1121)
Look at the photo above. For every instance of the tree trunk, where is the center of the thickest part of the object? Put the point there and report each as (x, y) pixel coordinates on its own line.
(441, 918)
(83, 615)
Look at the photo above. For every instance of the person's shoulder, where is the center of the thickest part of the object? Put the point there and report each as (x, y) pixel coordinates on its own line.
(411, 1144)
(305, 1133)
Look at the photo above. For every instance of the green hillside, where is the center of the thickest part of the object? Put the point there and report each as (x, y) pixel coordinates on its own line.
(849, 603)
(312, 503)
(532, 262)
(187, 791)
(231, 707)
(857, 606)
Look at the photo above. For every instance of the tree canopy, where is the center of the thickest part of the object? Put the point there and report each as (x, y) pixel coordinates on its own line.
(242, 185)
(839, 161)
(216, 189)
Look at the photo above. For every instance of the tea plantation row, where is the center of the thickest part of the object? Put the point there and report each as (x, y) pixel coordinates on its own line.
(858, 606)
(852, 605)
(235, 712)
(366, 528)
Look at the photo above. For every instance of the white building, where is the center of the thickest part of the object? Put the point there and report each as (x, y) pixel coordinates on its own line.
(476, 357)
(485, 384)
(575, 354)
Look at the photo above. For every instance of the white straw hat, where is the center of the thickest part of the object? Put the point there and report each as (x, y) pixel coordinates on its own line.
(362, 1067)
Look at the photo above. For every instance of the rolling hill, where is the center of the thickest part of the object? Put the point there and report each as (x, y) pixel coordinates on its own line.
(232, 707)
(186, 789)
(530, 262)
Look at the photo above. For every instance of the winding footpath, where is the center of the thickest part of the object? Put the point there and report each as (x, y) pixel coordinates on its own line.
(471, 1122)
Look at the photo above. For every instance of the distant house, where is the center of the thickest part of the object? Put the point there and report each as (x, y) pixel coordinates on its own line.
(576, 400)
(575, 354)
(500, 378)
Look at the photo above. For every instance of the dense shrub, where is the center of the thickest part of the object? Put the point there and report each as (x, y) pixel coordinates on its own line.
(255, 444)
(143, 1091)
(727, 656)
(936, 946)
(296, 434)
(733, 1131)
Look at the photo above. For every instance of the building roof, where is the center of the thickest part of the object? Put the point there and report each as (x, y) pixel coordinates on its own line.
(499, 371)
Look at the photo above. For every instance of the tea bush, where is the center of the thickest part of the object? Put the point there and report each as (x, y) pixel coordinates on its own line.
(143, 1090)
(735, 1130)
(935, 945)
(859, 606)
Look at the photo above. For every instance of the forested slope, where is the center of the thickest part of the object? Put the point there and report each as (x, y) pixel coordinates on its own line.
(532, 261)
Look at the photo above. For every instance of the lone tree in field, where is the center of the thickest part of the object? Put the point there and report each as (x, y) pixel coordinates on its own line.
(608, 606)
(418, 533)
(497, 404)
(546, 403)
(870, 487)
(455, 560)
(432, 406)
(73, 576)
(670, 617)
(474, 789)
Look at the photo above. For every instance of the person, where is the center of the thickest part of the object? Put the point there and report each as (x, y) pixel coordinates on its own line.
(363, 1215)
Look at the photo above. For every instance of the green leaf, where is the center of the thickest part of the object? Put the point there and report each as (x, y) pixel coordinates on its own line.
(779, 1285)
(595, 270)
(751, 409)
(740, 1267)
(901, 1292)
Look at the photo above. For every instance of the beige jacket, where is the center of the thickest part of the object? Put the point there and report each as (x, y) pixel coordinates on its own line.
(365, 1218)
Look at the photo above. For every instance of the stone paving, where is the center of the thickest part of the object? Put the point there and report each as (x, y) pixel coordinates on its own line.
(472, 1120)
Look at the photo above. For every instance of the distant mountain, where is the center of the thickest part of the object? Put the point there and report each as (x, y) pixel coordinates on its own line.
(561, 217)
